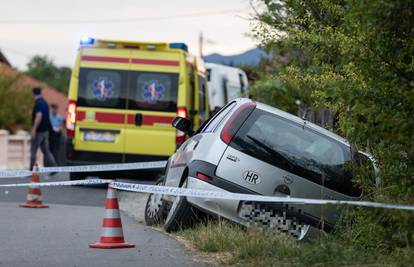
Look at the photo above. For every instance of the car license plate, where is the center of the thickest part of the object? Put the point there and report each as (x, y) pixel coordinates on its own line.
(264, 218)
(106, 137)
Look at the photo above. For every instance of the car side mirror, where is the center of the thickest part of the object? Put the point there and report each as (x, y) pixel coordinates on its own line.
(183, 124)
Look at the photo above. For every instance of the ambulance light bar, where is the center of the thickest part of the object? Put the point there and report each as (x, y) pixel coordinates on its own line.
(86, 40)
(89, 42)
(181, 46)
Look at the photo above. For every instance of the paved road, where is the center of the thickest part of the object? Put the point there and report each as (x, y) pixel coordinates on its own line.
(69, 195)
(59, 236)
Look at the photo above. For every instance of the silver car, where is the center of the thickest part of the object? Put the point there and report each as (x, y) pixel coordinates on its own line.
(252, 148)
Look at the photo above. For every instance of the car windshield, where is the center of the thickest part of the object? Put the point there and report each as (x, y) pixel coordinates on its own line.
(297, 149)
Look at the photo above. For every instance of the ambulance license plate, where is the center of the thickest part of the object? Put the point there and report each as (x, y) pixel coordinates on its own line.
(106, 137)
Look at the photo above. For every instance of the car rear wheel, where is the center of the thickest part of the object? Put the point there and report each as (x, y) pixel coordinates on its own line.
(156, 209)
(181, 214)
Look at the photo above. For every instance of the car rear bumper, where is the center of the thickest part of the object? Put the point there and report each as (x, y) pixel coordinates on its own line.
(274, 212)
(226, 208)
(231, 209)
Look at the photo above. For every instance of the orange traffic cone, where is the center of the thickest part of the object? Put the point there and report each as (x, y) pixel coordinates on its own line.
(34, 195)
(112, 235)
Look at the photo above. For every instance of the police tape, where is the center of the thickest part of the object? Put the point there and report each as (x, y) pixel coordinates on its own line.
(152, 165)
(208, 194)
(107, 167)
(198, 193)
(79, 182)
(15, 173)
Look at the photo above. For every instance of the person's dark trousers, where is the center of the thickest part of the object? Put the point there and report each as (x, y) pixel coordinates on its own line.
(55, 144)
(41, 140)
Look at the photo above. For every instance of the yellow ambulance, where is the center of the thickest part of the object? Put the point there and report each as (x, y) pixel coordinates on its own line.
(123, 96)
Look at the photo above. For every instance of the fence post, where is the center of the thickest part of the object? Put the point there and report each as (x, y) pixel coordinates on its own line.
(4, 150)
(26, 148)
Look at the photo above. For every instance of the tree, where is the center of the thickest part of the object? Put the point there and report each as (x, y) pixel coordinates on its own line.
(15, 103)
(357, 58)
(43, 69)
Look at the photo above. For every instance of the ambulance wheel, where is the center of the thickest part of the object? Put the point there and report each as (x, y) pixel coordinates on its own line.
(181, 215)
(156, 209)
(73, 176)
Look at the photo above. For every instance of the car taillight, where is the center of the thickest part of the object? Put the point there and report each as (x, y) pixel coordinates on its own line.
(71, 119)
(182, 112)
(235, 121)
(202, 176)
(180, 136)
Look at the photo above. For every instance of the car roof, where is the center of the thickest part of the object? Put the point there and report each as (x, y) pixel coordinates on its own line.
(297, 119)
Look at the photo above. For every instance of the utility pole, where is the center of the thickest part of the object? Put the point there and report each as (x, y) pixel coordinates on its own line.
(202, 41)
(200, 44)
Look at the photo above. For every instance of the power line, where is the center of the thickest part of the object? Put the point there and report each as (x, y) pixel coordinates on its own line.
(126, 20)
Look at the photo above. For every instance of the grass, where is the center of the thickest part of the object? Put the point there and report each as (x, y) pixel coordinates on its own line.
(232, 245)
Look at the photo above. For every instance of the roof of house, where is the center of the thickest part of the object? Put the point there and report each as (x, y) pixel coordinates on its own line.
(50, 94)
(3, 59)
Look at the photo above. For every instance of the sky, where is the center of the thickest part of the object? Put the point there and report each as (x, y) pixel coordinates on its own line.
(54, 27)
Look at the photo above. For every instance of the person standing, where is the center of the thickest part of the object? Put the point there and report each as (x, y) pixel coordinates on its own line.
(40, 129)
(56, 132)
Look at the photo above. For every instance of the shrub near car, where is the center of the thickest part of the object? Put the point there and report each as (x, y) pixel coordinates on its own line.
(123, 96)
(252, 148)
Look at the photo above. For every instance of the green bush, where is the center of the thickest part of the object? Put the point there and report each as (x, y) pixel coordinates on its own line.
(271, 90)
(356, 57)
(15, 103)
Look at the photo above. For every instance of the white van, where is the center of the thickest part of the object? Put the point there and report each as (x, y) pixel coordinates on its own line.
(225, 84)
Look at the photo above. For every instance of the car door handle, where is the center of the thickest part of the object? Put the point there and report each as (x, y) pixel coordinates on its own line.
(138, 119)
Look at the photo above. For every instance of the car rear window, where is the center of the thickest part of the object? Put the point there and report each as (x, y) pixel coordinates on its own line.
(121, 89)
(212, 124)
(297, 149)
(153, 91)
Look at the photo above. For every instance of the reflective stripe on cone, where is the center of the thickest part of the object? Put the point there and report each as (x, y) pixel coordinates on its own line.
(34, 197)
(110, 232)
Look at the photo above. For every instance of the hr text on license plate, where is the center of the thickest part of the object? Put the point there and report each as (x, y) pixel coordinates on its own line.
(99, 137)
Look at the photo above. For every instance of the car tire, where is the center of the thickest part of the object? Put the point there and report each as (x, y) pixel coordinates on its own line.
(181, 215)
(156, 209)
